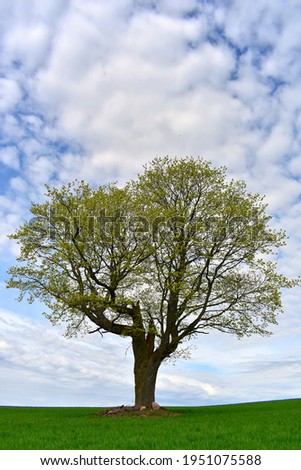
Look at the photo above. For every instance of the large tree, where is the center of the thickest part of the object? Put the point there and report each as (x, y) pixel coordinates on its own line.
(179, 251)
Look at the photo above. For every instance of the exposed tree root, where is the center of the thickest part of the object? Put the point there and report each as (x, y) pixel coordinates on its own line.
(132, 411)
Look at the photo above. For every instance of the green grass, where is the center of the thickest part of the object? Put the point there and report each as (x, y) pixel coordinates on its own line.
(263, 425)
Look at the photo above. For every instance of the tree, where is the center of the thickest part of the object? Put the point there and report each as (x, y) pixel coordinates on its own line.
(177, 252)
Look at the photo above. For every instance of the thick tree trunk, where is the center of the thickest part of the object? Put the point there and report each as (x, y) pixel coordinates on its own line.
(145, 382)
(146, 365)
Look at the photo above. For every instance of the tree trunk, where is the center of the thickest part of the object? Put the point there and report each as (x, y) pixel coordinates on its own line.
(146, 365)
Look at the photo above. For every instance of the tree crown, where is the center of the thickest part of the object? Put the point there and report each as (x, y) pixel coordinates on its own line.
(176, 252)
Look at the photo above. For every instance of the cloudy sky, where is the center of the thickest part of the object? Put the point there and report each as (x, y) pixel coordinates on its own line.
(93, 89)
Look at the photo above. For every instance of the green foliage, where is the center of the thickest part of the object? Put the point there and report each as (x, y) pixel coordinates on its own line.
(176, 252)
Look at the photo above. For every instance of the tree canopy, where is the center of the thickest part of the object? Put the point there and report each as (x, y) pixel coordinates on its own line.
(178, 251)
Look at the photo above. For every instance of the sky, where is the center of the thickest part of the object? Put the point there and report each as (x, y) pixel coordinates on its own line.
(93, 89)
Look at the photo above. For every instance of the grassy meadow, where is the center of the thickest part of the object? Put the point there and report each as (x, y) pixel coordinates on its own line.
(263, 425)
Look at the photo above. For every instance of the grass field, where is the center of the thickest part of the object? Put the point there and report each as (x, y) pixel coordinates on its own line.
(263, 425)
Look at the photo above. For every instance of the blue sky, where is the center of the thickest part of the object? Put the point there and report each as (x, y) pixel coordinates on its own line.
(92, 90)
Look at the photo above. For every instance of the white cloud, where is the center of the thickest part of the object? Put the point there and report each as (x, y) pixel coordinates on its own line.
(185, 384)
(176, 7)
(257, 24)
(11, 129)
(27, 31)
(42, 358)
(9, 95)
(12, 213)
(19, 184)
(9, 156)
(28, 45)
(4, 345)
(92, 90)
